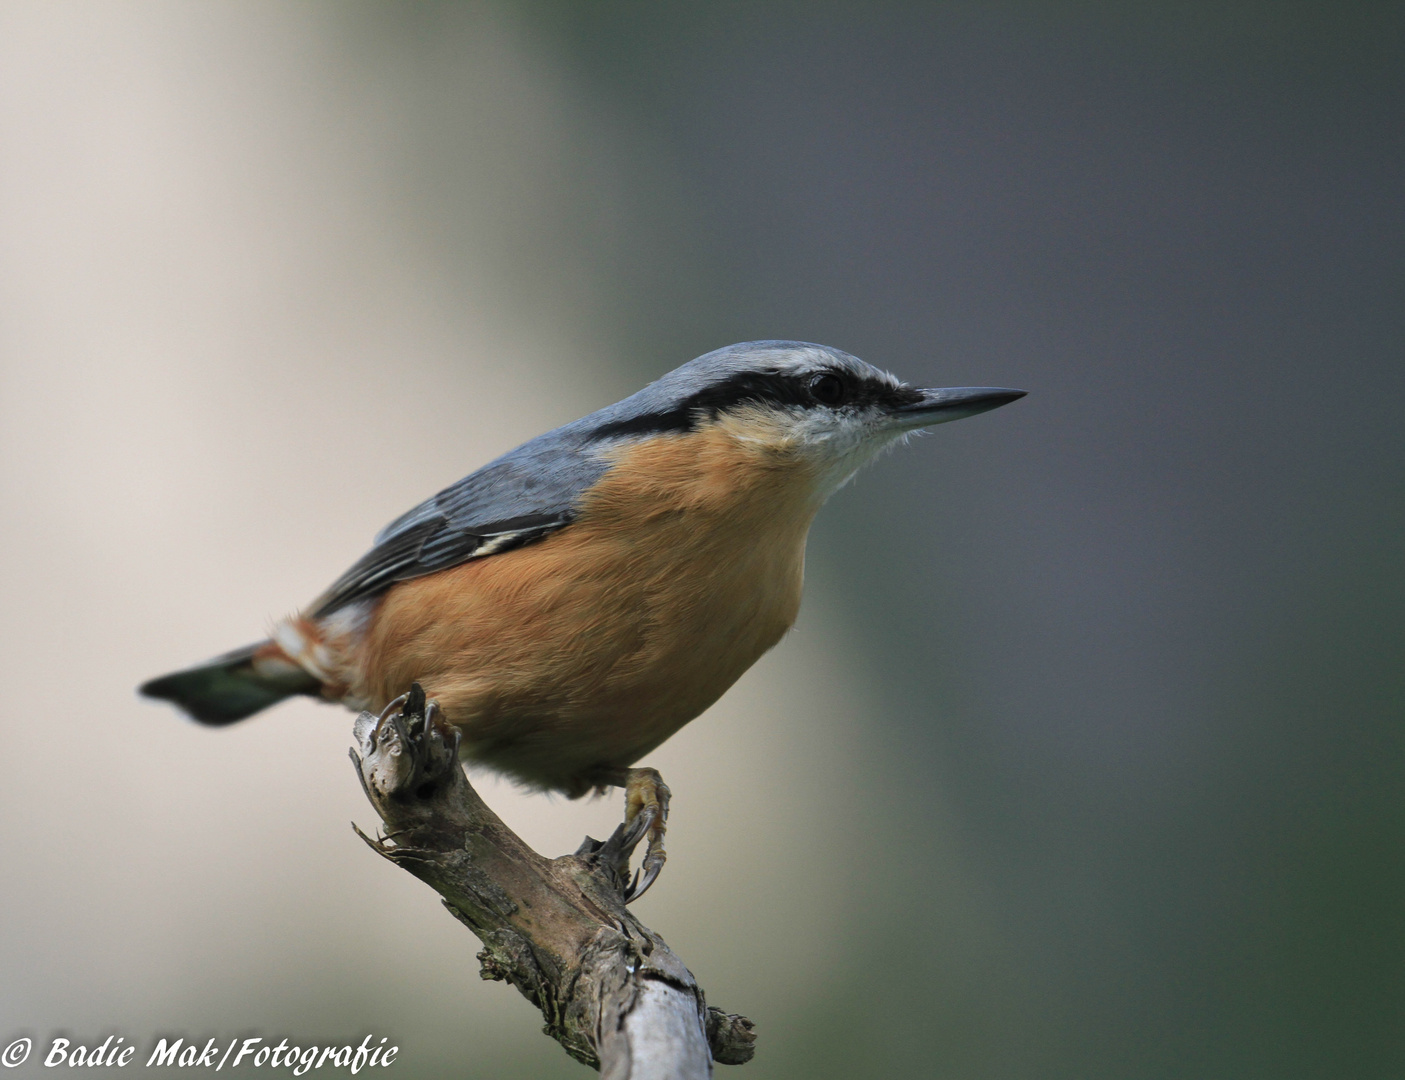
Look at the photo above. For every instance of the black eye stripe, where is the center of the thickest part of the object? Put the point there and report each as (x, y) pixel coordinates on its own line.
(740, 389)
(764, 388)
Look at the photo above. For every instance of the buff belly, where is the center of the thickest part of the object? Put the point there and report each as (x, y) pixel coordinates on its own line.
(565, 661)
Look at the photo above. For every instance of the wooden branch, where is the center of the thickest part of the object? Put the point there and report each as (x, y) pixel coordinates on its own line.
(610, 990)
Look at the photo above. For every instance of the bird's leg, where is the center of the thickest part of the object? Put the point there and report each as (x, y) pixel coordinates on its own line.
(645, 814)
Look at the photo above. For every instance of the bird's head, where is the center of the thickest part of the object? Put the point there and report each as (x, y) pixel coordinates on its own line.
(811, 404)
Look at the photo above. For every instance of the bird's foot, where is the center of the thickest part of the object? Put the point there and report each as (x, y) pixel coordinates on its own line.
(645, 814)
(408, 749)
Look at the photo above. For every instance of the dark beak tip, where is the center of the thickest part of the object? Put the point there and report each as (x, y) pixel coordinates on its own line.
(954, 403)
(999, 395)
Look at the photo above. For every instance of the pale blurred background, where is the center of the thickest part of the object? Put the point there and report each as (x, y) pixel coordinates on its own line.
(1087, 757)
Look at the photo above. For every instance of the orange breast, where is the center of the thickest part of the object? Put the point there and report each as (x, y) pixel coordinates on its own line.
(567, 660)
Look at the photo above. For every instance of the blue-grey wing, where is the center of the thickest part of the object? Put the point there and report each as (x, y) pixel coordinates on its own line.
(521, 497)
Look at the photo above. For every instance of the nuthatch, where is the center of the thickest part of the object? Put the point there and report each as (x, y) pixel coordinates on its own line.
(575, 602)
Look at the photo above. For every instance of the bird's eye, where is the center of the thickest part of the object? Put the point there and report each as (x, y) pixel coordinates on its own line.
(828, 389)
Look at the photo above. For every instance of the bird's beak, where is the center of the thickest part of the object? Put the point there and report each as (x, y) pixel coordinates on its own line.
(952, 403)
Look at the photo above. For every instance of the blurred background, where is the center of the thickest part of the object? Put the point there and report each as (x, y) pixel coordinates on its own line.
(1087, 756)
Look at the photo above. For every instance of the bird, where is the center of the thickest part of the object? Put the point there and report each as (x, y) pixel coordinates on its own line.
(573, 603)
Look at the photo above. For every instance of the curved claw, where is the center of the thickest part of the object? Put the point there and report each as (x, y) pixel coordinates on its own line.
(636, 830)
(397, 721)
(649, 872)
(394, 705)
(621, 843)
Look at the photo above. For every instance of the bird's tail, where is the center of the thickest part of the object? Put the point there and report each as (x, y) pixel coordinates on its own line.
(235, 685)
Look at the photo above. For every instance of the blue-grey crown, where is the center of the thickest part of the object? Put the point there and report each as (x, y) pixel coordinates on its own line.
(775, 373)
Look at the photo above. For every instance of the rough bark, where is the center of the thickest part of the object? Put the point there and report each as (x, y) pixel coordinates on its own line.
(611, 992)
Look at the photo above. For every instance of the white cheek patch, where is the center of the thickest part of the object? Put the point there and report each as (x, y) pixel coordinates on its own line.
(841, 443)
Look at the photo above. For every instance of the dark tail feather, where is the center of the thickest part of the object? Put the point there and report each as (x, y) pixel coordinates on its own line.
(229, 688)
